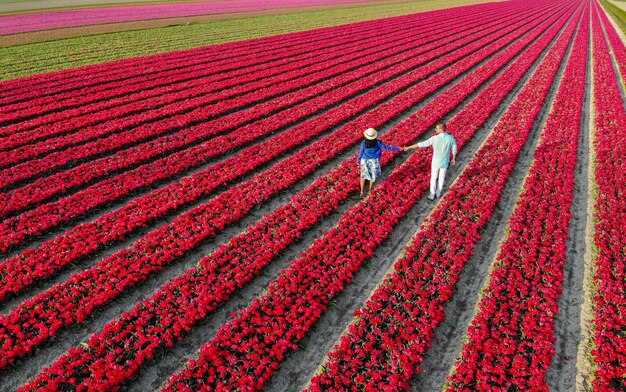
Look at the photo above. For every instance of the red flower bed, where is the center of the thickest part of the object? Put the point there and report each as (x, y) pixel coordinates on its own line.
(247, 350)
(31, 265)
(308, 101)
(189, 101)
(88, 84)
(511, 338)
(229, 268)
(122, 71)
(617, 45)
(176, 74)
(184, 114)
(400, 317)
(610, 214)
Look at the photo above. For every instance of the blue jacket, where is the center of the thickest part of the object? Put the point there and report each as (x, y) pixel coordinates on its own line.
(374, 152)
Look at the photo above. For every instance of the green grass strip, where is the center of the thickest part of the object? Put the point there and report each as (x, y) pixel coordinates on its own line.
(34, 58)
(618, 14)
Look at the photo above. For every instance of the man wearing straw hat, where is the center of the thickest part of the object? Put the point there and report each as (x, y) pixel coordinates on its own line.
(369, 155)
(443, 143)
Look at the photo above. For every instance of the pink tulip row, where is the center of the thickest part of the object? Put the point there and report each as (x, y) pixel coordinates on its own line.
(32, 265)
(246, 351)
(191, 73)
(119, 73)
(511, 339)
(609, 353)
(33, 322)
(400, 317)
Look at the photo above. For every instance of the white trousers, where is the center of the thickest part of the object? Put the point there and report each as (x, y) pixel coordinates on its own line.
(437, 177)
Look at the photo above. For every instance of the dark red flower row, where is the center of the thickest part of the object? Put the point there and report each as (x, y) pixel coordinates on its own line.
(609, 353)
(618, 49)
(385, 344)
(510, 340)
(265, 240)
(246, 351)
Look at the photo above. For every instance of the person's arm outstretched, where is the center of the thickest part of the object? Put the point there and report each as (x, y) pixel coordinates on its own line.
(388, 147)
(426, 143)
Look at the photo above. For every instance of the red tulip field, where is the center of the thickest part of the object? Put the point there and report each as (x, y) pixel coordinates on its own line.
(192, 221)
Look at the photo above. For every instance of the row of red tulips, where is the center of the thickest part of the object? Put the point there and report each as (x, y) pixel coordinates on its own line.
(247, 351)
(127, 69)
(48, 187)
(400, 317)
(31, 265)
(511, 339)
(153, 92)
(33, 322)
(609, 352)
(173, 112)
(163, 318)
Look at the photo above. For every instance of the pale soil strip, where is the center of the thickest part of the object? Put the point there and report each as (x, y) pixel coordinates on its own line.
(70, 32)
(622, 78)
(584, 361)
(562, 374)
(619, 4)
(15, 7)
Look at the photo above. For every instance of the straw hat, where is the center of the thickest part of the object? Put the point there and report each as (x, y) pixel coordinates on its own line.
(370, 134)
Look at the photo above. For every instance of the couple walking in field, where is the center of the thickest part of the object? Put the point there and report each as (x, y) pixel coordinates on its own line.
(443, 144)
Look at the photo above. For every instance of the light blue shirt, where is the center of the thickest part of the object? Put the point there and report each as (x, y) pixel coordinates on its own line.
(442, 144)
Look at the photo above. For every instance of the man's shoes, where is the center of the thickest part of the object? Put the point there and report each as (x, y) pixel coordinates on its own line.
(431, 197)
(438, 195)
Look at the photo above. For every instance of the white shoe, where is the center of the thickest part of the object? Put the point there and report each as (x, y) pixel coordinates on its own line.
(431, 197)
